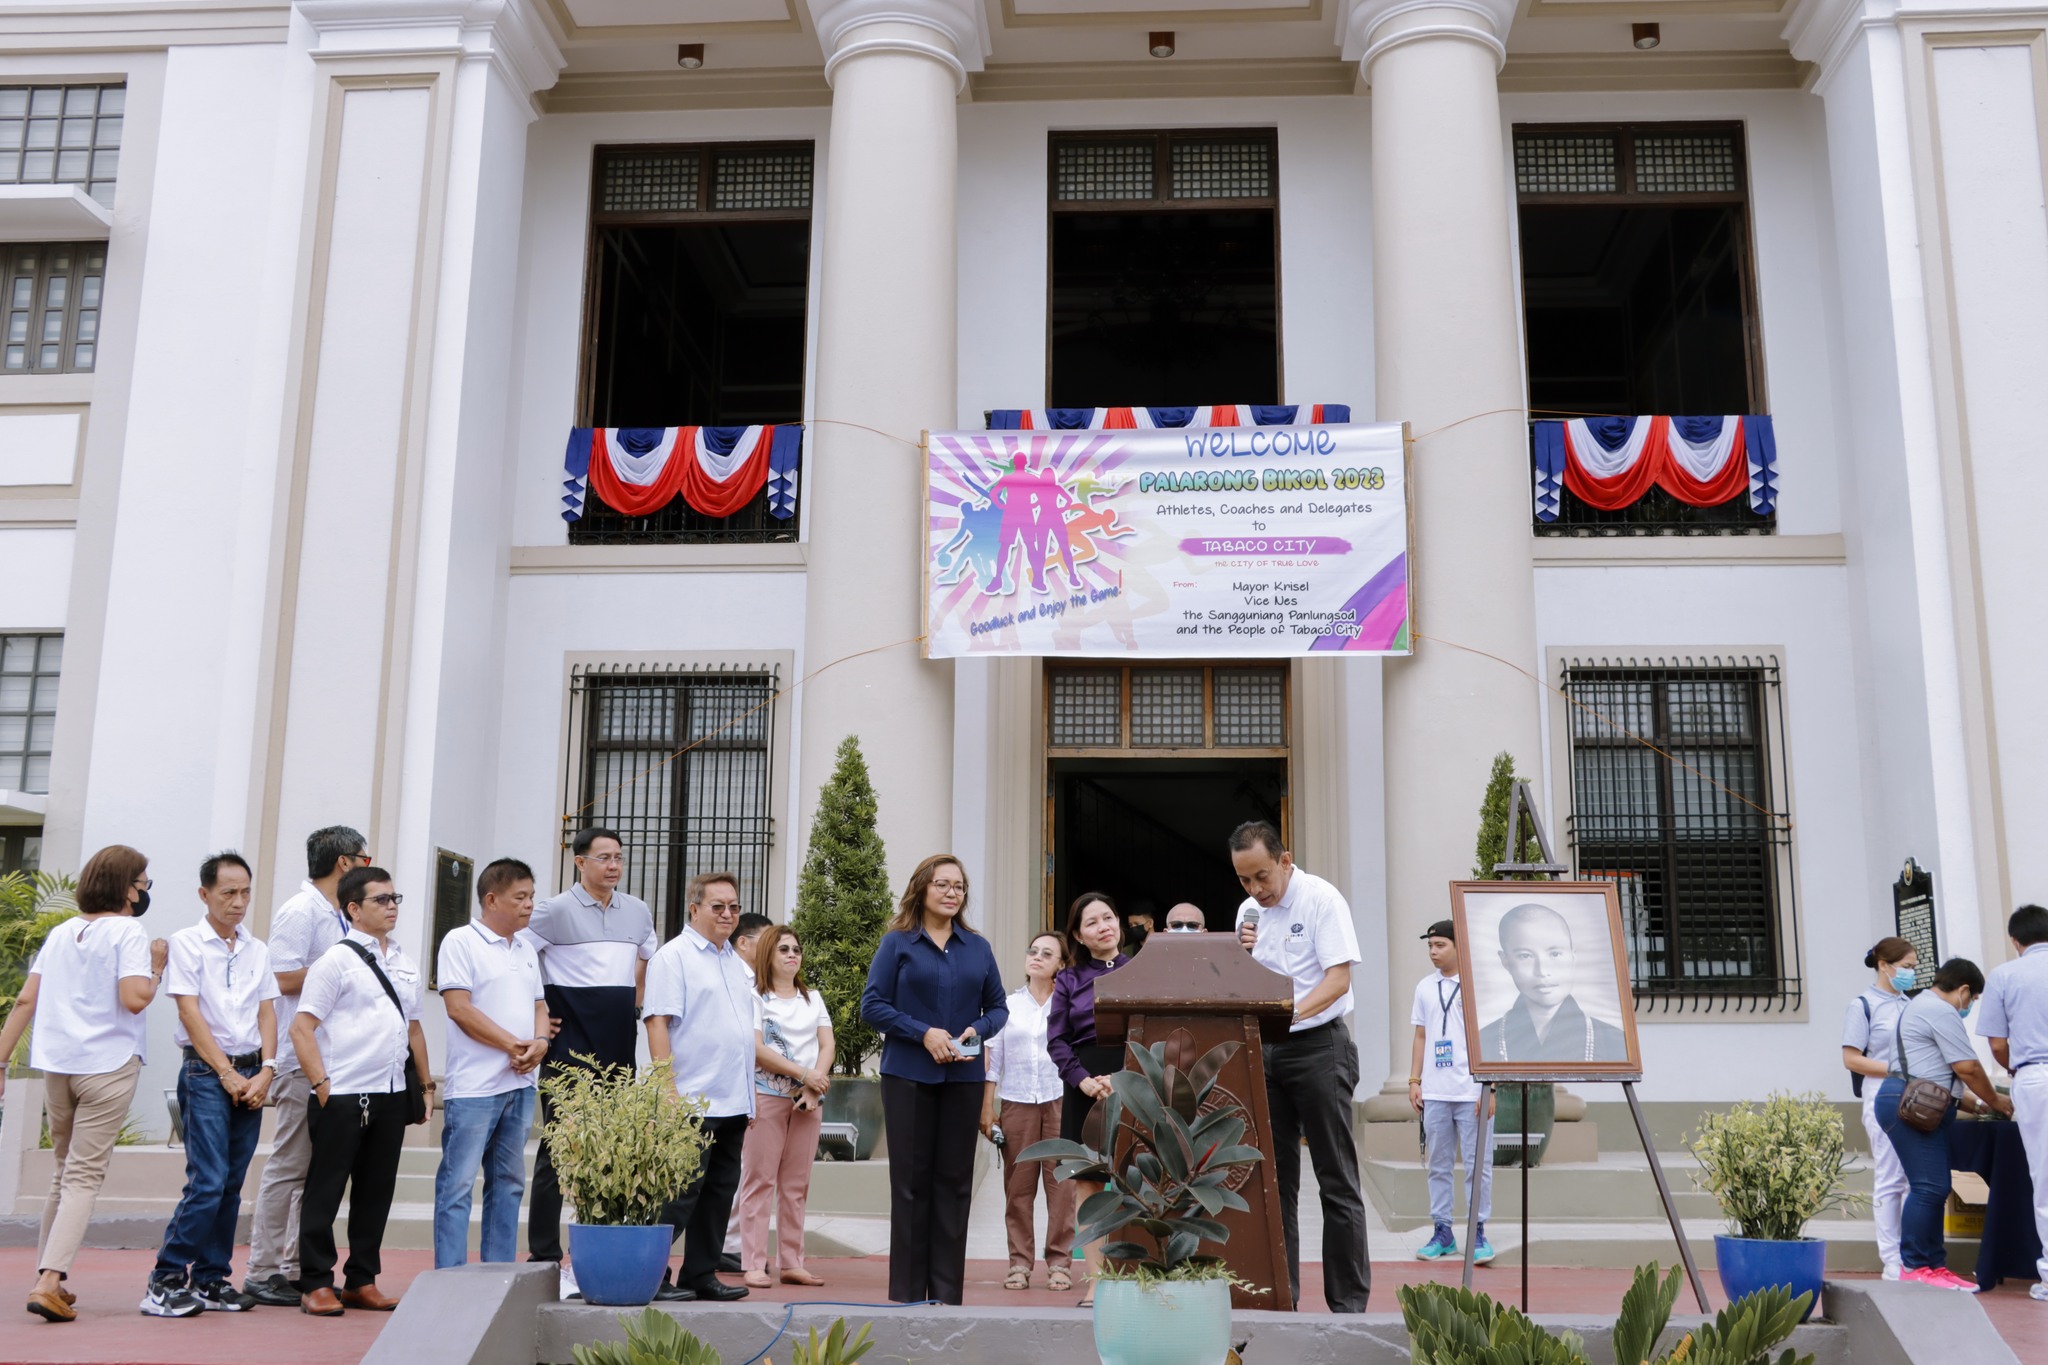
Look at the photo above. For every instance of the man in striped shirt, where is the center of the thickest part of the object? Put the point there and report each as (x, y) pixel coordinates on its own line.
(594, 941)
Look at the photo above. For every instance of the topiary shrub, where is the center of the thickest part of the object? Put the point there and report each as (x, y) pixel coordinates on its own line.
(843, 903)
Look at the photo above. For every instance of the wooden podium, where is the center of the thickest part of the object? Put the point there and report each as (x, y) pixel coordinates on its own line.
(1193, 991)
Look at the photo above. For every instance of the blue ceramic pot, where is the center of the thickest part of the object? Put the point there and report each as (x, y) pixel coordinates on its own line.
(1748, 1264)
(619, 1267)
(1181, 1322)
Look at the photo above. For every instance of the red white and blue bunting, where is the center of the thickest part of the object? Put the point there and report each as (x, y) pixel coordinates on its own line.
(1611, 462)
(1148, 419)
(637, 471)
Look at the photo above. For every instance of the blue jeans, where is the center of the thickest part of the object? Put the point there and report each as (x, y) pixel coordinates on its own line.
(487, 1133)
(1924, 1158)
(1452, 1130)
(220, 1138)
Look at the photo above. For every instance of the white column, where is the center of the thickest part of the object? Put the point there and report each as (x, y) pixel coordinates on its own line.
(1447, 344)
(885, 372)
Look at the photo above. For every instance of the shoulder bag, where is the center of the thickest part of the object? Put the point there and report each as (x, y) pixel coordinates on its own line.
(415, 1087)
(1924, 1104)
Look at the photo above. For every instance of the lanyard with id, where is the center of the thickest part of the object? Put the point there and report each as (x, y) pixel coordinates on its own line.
(1441, 1050)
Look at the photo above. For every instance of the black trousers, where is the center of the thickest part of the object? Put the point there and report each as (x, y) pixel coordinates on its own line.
(356, 1141)
(1309, 1080)
(544, 1195)
(932, 1131)
(702, 1211)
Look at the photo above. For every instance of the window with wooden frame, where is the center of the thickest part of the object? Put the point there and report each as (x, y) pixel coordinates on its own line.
(1677, 781)
(695, 310)
(1639, 290)
(1164, 276)
(50, 306)
(1141, 711)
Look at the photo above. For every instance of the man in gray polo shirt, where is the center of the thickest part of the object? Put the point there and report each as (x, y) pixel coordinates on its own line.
(2014, 1020)
(594, 941)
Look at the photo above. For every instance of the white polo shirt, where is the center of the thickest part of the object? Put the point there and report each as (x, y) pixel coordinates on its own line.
(303, 928)
(502, 976)
(232, 980)
(363, 1040)
(81, 1027)
(708, 997)
(1306, 934)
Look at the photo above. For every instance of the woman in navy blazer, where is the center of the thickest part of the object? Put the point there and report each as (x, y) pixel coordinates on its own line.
(935, 994)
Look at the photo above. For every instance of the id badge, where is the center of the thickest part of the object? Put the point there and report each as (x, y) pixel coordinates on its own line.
(1444, 1060)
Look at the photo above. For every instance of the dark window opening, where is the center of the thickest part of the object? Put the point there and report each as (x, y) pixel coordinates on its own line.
(699, 290)
(1688, 829)
(1638, 293)
(1164, 271)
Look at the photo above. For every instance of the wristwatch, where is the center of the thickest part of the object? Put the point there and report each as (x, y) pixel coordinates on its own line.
(267, 1064)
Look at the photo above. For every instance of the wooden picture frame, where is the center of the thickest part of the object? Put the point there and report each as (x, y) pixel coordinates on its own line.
(1573, 965)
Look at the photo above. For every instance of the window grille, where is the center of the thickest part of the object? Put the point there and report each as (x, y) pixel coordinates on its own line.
(1234, 707)
(1578, 163)
(1690, 163)
(28, 709)
(676, 760)
(50, 305)
(1166, 708)
(1087, 709)
(1251, 707)
(21, 848)
(1223, 170)
(62, 135)
(648, 182)
(1098, 171)
(763, 180)
(1695, 841)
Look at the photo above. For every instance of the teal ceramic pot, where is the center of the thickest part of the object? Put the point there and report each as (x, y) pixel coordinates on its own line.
(1181, 1322)
(857, 1100)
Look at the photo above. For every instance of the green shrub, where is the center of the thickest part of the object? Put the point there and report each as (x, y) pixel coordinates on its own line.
(843, 903)
(623, 1146)
(654, 1338)
(1775, 1167)
(1452, 1326)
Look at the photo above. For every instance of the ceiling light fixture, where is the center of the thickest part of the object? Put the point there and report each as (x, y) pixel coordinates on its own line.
(1162, 43)
(689, 56)
(1645, 36)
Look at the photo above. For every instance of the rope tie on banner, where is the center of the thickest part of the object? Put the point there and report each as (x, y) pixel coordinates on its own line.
(1784, 820)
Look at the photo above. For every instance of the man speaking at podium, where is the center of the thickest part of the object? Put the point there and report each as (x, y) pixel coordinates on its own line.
(1299, 925)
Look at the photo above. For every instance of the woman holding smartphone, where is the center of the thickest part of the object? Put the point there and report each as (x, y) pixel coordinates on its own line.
(935, 995)
(792, 1071)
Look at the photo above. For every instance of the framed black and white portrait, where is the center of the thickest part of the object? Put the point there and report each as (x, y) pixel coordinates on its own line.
(1546, 981)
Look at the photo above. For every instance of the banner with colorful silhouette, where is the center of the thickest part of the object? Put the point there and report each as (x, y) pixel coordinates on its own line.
(1233, 542)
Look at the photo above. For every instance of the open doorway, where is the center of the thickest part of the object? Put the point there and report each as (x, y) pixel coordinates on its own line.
(1151, 832)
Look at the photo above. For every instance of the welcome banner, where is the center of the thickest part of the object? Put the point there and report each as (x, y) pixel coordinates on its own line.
(1233, 542)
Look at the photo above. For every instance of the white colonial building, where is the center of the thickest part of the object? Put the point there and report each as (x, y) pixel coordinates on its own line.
(300, 304)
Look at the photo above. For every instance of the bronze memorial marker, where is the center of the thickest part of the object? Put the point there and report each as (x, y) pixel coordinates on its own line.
(1193, 991)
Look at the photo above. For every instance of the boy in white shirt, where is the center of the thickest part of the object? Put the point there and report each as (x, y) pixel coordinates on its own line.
(1441, 1088)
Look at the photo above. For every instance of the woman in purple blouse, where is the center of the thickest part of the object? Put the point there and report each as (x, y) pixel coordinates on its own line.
(1093, 932)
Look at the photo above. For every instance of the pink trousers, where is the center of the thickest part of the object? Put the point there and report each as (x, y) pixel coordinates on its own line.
(775, 1167)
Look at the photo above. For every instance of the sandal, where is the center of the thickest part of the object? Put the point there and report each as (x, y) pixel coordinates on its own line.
(1059, 1281)
(1017, 1279)
(758, 1279)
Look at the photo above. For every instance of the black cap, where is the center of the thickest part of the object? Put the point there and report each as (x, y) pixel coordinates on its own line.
(1443, 928)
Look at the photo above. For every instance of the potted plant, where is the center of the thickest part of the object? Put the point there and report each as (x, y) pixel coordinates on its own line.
(1166, 1179)
(655, 1338)
(1773, 1168)
(843, 905)
(623, 1146)
(1452, 1326)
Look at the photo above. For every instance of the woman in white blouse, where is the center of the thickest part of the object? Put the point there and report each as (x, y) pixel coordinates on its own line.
(86, 991)
(792, 1071)
(1022, 1076)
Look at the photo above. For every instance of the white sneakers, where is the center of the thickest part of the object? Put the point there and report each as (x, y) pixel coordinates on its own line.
(569, 1289)
(2038, 1290)
(1891, 1272)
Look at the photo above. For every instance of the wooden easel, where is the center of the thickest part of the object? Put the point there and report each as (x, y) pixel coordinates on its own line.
(1523, 825)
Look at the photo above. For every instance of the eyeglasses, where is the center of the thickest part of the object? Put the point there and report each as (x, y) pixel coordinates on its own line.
(390, 898)
(949, 886)
(723, 911)
(1186, 928)
(142, 883)
(602, 859)
(365, 858)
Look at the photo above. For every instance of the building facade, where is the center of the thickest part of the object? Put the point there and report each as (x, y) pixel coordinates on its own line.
(302, 302)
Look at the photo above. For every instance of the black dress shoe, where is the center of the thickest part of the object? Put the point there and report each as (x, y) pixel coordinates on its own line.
(673, 1293)
(276, 1291)
(729, 1264)
(717, 1291)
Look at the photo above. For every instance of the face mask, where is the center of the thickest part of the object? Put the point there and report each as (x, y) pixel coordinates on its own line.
(1965, 1011)
(1903, 979)
(141, 906)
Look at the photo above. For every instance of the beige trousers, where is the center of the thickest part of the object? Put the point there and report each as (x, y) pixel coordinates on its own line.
(274, 1225)
(86, 1114)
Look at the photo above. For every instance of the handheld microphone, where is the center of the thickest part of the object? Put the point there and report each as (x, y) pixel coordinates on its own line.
(1251, 919)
